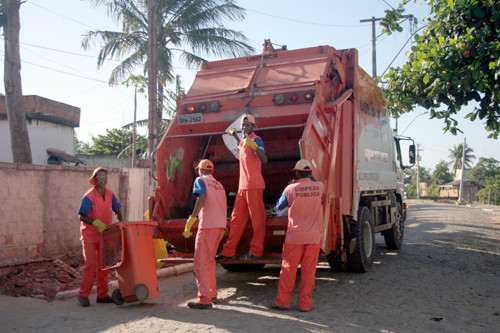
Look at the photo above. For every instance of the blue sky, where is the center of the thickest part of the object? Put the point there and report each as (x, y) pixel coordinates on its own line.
(55, 66)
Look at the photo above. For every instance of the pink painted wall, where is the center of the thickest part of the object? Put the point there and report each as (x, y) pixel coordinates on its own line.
(39, 205)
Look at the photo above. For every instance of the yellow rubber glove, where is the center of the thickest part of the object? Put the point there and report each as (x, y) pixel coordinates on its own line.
(249, 143)
(189, 223)
(101, 226)
(231, 131)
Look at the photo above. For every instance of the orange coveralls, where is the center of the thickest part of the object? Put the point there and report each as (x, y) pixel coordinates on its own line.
(302, 241)
(249, 202)
(211, 228)
(96, 207)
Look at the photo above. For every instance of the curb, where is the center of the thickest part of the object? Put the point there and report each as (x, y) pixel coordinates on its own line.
(160, 273)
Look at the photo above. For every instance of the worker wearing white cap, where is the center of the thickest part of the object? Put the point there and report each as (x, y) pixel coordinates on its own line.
(249, 202)
(303, 236)
(211, 208)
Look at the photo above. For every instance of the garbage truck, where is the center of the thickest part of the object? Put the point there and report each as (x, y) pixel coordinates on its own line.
(313, 103)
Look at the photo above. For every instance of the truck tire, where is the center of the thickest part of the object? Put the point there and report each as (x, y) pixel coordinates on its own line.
(361, 260)
(394, 237)
(242, 267)
(335, 264)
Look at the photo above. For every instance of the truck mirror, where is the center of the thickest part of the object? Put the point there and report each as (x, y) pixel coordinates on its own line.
(412, 154)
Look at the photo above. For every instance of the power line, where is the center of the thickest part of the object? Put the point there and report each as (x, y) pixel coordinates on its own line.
(63, 16)
(49, 60)
(305, 22)
(63, 72)
(388, 4)
(62, 51)
(402, 48)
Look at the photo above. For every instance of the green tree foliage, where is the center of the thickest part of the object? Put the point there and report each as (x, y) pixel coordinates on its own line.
(455, 61)
(456, 157)
(485, 170)
(411, 178)
(491, 192)
(441, 174)
(411, 190)
(433, 190)
(115, 141)
(81, 147)
(411, 175)
(189, 29)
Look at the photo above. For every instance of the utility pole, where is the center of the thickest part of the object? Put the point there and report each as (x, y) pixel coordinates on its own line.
(418, 169)
(374, 45)
(374, 41)
(460, 195)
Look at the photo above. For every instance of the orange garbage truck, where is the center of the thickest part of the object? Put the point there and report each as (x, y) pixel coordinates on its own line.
(313, 103)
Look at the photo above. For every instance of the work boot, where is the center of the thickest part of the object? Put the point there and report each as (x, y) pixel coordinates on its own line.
(279, 307)
(84, 301)
(250, 256)
(106, 299)
(196, 305)
(221, 257)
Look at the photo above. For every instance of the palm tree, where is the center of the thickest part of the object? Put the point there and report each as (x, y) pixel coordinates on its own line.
(188, 29)
(19, 135)
(456, 157)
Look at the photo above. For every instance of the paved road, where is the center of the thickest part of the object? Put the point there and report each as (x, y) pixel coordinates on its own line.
(446, 278)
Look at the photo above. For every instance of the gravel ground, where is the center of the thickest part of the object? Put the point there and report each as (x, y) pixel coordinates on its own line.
(444, 279)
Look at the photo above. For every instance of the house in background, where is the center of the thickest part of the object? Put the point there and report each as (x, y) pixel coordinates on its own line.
(452, 190)
(51, 127)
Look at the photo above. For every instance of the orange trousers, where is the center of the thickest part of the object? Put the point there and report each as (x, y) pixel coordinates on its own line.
(292, 255)
(248, 204)
(205, 248)
(92, 261)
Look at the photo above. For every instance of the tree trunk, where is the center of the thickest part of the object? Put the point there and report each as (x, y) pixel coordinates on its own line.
(152, 78)
(19, 138)
(134, 131)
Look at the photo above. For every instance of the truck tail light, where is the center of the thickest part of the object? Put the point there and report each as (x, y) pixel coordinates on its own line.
(293, 97)
(204, 107)
(279, 99)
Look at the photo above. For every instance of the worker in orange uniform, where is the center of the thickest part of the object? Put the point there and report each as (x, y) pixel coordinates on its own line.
(249, 202)
(211, 208)
(95, 215)
(303, 236)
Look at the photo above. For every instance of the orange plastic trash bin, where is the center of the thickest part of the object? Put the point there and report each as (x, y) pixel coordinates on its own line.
(136, 270)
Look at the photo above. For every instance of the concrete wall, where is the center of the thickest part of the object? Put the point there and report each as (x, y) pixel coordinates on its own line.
(109, 161)
(43, 135)
(50, 125)
(39, 204)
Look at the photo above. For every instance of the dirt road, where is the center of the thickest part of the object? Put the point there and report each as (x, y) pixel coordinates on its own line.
(446, 278)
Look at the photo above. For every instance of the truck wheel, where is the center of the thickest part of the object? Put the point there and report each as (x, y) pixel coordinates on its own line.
(361, 260)
(256, 267)
(242, 267)
(233, 267)
(117, 298)
(335, 264)
(394, 237)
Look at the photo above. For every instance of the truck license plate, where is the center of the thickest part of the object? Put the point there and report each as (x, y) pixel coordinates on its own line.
(190, 118)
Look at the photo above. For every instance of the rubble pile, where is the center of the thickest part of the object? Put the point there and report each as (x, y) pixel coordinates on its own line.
(43, 279)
